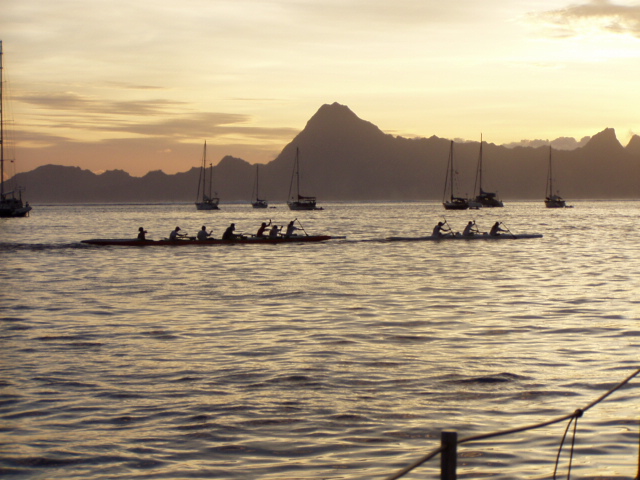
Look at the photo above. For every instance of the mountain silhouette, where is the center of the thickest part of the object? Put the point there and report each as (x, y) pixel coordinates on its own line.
(345, 158)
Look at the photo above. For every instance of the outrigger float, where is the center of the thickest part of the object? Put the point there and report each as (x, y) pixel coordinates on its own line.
(480, 236)
(132, 242)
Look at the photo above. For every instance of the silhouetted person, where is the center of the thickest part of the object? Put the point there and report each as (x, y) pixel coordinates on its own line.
(495, 230)
(142, 234)
(470, 230)
(438, 229)
(202, 234)
(262, 228)
(290, 229)
(273, 233)
(174, 235)
(228, 233)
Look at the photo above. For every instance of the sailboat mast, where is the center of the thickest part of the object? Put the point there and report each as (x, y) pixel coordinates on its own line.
(210, 179)
(448, 181)
(204, 172)
(297, 173)
(550, 179)
(452, 170)
(200, 183)
(295, 176)
(1, 125)
(480, 168)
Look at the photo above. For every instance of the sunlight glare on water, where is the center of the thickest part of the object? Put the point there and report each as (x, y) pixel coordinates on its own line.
(342, 359)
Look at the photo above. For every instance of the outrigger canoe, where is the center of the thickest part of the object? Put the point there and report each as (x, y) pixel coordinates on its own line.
(485, 236)
(132, 242)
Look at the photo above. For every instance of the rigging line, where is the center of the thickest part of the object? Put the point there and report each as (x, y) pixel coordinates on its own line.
(578, 413)
(638, 474)
(551, 422)
(573, 444)
(555, 469)
(617, 387)
(574, 419)
(415, 464)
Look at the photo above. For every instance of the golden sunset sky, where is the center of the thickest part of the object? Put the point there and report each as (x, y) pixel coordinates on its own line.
(139, 85)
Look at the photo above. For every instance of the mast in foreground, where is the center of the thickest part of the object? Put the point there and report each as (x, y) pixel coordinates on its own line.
(10, 205)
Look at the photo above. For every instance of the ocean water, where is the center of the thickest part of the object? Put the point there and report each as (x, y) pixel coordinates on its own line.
(336, 360)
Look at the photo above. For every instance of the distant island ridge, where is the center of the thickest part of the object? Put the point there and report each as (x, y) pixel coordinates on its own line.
(345, 158)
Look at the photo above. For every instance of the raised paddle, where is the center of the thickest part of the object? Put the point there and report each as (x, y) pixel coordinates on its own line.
(512, 235)
(451, 232)
(305, 232)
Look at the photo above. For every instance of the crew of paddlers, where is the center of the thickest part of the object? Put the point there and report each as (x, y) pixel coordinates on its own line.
(230, 233)
(442, 229)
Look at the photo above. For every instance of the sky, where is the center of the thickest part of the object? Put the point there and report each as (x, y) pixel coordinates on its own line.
(140, 85)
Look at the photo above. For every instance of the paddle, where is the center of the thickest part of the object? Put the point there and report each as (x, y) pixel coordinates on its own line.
(512, 235)
(450, 233)
(305, 232)
(476, 229)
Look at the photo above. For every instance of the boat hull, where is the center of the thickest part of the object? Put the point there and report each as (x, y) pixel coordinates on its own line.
(303, 206)
(555, 202)
(207, 206)
(504, 236)
(127, 242)
(456, 205)
(14, 212)
(488, 200)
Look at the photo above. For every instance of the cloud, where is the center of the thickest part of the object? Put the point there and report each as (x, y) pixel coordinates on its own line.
(598, 15)
(149, 118)
(73, 102)
(205, 125)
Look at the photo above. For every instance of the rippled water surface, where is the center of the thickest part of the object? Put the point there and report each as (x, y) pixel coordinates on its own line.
(336, 360)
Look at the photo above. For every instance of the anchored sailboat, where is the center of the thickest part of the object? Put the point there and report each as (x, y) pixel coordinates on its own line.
(453, 203)
(297, 201)
(10, 204)
(552, 200)
(258, 202)
(484, 199)
(206, 202)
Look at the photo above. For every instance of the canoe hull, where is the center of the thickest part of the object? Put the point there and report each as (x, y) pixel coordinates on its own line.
(126, 242)
(461, 237)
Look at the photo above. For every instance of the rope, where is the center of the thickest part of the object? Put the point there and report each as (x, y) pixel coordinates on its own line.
(415, 464)
(572, 417)
(638, 474)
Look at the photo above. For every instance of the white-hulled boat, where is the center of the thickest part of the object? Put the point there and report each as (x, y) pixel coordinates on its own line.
(484, 199)
(297, 201)
(552, 200)
(256, 201)
(207, 201)
(452, 202)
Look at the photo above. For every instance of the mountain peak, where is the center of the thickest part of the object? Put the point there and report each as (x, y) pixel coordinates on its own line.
(339, 119)
(633, 146)
(605, 139)
(333, 112)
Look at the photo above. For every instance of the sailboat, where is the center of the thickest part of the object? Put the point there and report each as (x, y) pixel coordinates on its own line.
(484, 199)
(297, 201)
(206, 202)
(552, 200)
(10, 204)
(453, 203)
(258, 202)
